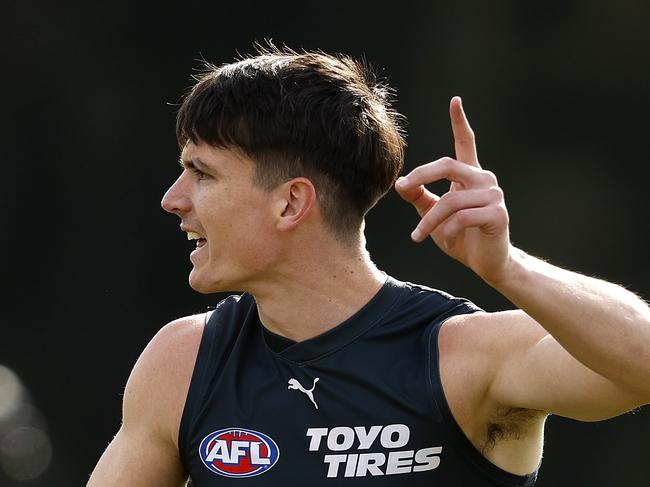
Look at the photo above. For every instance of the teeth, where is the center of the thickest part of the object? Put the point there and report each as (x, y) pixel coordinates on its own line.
(193, 236)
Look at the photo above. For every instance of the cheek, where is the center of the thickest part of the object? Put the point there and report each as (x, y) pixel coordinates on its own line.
(254, 233)
(243, 232)
(238, 220)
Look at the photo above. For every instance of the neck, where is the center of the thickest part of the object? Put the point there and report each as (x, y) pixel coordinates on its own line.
(317, 293)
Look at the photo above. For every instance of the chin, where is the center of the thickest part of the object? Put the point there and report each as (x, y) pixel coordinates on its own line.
(205, 285)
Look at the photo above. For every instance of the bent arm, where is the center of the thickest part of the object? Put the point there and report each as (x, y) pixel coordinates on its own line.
(144, 453)
(581, 347)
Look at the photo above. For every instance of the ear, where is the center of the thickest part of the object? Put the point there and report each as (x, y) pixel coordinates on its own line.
(295, 200)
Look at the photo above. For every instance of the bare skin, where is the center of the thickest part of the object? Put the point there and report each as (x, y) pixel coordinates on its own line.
(578, 347)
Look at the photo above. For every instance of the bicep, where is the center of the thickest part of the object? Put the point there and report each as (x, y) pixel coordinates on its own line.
(538, 373)
(135, 459)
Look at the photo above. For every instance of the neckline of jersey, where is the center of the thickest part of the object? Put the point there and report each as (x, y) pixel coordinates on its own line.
(342, 334)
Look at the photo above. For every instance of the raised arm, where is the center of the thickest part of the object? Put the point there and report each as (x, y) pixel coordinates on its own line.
(581, 346)
(144, 453)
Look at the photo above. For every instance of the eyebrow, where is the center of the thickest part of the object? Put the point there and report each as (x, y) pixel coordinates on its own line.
(193, 163)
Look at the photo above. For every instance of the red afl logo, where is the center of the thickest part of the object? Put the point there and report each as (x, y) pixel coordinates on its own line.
(237, 452)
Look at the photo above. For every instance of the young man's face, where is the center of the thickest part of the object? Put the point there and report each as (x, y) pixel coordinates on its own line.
(217, 201)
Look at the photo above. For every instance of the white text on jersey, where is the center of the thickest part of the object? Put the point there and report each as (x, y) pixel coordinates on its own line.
(392, 436)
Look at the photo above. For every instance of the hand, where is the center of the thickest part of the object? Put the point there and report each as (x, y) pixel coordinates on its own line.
(470, 221)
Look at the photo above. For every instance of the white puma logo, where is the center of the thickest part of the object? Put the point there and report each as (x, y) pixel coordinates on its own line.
(294, 384)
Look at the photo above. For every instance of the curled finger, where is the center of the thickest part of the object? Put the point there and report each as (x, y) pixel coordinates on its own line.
(450, 169)
(452, 203)
(491, 219)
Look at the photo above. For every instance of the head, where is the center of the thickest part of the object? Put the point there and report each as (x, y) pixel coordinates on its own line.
(308, 116)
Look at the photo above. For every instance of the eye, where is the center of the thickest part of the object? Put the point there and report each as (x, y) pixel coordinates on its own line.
(200, 175)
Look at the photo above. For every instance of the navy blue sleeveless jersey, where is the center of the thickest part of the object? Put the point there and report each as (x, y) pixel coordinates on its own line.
(360, 405)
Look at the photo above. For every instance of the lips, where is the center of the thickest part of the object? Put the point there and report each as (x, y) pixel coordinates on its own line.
(200, 243)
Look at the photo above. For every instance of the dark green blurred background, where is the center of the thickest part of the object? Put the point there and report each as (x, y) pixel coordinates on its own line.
(557, 93)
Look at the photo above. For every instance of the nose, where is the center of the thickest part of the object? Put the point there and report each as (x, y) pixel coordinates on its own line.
(176, 200)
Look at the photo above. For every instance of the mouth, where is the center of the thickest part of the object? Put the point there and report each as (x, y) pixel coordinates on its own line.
(200, 241)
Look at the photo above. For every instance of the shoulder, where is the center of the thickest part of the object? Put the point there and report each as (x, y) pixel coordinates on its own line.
(145, 449)
(157, 387)
(174, 345)
(474, 350)
(177, 338)
(490, 334)
(481, 344)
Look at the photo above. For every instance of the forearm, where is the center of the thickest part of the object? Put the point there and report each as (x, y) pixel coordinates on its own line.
(601, 324)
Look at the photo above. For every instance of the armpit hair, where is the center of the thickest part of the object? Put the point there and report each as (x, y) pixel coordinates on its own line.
(508, 424)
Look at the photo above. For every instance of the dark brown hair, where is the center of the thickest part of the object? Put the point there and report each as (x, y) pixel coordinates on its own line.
(321, 116)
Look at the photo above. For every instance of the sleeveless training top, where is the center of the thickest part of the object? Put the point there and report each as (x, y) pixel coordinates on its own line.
(360, 405)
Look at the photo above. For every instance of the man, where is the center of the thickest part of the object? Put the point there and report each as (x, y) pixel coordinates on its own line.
(326, 370)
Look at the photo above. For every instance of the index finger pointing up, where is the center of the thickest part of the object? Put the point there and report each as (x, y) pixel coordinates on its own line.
(463, 134)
